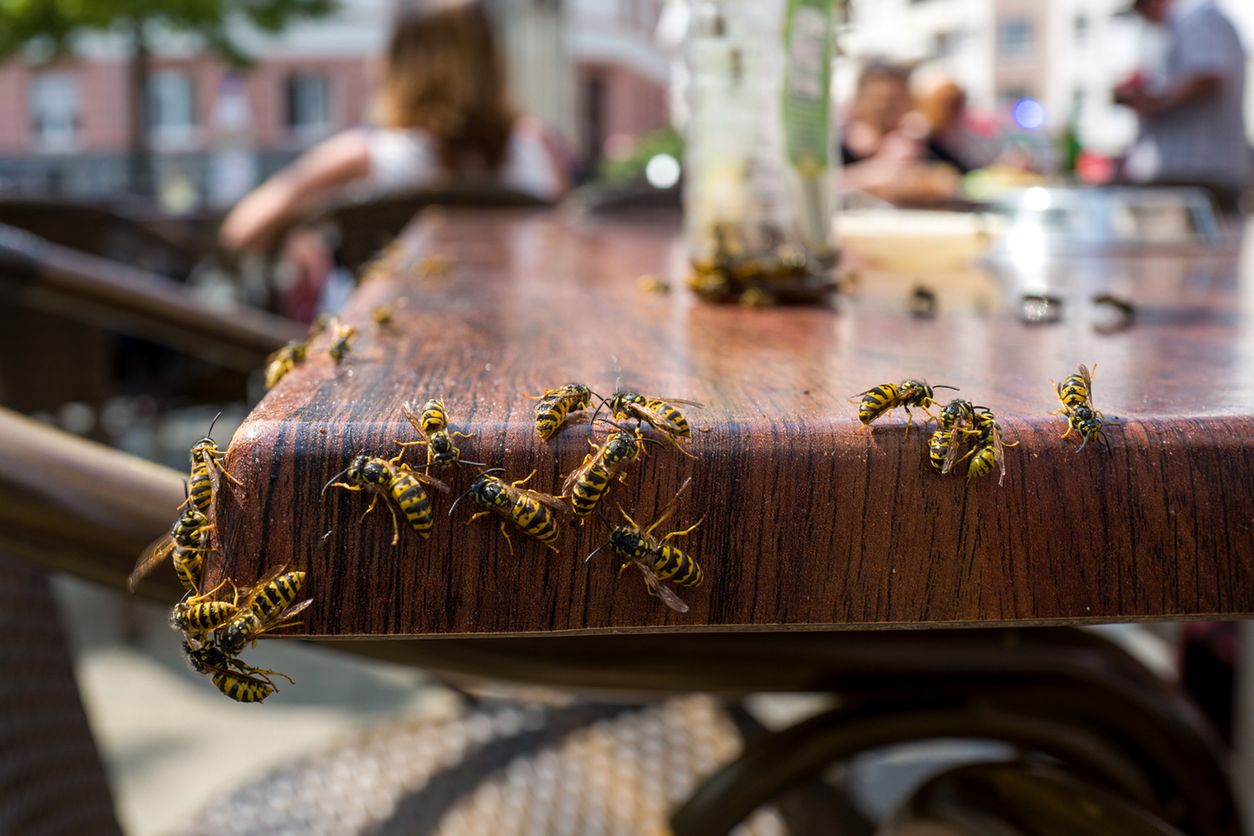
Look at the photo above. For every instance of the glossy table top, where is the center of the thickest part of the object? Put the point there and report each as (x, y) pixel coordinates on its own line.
(810, 520)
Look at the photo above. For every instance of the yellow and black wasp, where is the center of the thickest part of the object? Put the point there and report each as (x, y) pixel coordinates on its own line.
(658, 559)
(988, 449)
(187, 543)
(588, 483)
(283, 361)
(957, 420)
(207, 463)
(398, 485)
(530, 511)
(1076, 396)
(555, 405)
(199, 614)
(879, 400)
(432, 423)
(659, 413)
(231, 675)
(342, 342)
(269, 605)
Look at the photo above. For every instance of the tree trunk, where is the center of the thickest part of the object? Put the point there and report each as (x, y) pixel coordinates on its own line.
(140, 168)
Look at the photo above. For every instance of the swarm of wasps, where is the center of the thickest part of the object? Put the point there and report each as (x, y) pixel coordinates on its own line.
(216, 631)
(287, 358)
(959, 422)
(962, 423)
(762, 272)
(403, 488)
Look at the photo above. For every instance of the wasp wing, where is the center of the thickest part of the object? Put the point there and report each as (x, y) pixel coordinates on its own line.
(543, 498)
(156, 551)
(578, 473)
(669, 509)
(660, 589)
(951, 456)
(413, 414)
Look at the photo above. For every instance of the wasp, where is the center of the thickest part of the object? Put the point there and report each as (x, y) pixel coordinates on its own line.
(187, 542)
(659, 413)
(432, 422)
(398, 485)
(269, 605)
(207, 464)
(555, 404)
(199, 614)
(531, 511)
(988, 450)
(956, 420)
(881, 399)
(344, 336)
(657, 559)
(233, 676)
(283, 361)
(1076, 396)
(587, 483)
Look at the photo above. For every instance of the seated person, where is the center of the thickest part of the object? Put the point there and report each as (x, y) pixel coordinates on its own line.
(443, 118)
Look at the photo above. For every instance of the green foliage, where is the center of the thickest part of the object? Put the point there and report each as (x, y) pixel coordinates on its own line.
(52, 25)
(631, 167)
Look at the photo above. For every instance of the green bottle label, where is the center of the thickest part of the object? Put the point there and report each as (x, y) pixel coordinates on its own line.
(808, 42)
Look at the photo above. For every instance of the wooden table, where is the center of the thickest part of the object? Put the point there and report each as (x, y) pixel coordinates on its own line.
(811, 522)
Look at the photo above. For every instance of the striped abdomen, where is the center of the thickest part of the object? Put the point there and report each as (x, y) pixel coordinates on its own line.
(186, 530)
(242, 688)
(672, 564)
(205, 616)
(414, 503)
(550, 413)
(984, 460)
(200, 487)
(278, 595)
(535, 519)
(589, 489)
(938, 448)
(434, 416)
(876, 401)
(670, 414)
(1073, 392)
(189, 565)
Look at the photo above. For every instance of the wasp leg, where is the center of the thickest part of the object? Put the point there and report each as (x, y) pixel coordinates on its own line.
(396, 529)
(554, 547)
(346, 486)
(522, 482)
(505, 534)
(1068, 432)
(673, 440)
(217, 461)
(462, 435)
(684, 532)
(369, 508)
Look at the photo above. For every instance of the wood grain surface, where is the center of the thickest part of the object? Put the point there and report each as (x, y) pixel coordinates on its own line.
(811, 521)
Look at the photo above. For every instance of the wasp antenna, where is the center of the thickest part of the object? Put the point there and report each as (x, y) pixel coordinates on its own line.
(212, 423)
(594, 552)
(186, 495)
(942, 386)
(472, 464)
(335, 479)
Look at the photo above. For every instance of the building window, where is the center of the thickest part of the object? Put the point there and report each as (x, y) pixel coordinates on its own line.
(1081, 29)
(172, 107)
(54, 110)
(308, 105)
(1016, 37)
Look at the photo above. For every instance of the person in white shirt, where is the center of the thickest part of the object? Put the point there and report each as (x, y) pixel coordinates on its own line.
(1192, 109)
(444, 118)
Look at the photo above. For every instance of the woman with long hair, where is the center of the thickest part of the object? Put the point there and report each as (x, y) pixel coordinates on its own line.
(443, 118)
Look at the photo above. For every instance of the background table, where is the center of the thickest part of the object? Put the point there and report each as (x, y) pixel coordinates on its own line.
(811, 522)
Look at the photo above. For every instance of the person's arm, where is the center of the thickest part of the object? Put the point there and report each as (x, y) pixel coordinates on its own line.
(1192, 88)
(263, 212)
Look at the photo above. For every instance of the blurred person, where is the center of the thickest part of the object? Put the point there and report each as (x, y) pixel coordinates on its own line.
(1192, 119)
(953, 135)
(443, 118)
(883, 145)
